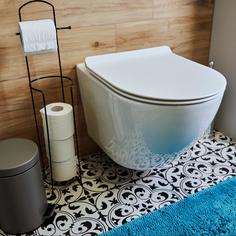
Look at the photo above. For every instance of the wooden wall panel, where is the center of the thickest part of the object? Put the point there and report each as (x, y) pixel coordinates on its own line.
(97, 27)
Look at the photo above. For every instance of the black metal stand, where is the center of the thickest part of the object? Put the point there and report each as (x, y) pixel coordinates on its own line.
(62, 79)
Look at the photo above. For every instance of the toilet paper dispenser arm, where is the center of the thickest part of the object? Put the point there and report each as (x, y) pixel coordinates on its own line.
(53, 10)
(57, 41)
(57, 28)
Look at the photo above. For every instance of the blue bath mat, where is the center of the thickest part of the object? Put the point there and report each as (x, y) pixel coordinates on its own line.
(211, 212)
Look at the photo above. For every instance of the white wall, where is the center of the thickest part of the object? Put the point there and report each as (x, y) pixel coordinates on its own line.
(223, 52)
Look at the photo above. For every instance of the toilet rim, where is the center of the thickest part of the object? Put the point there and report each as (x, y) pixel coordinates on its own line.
(150, 100)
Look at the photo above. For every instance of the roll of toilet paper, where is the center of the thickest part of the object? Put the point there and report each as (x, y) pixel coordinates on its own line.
(61, 150)
(60, 121)
(64, 171)
(38, 36)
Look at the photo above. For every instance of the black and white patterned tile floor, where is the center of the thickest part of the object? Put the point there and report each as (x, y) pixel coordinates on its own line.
(112, 195)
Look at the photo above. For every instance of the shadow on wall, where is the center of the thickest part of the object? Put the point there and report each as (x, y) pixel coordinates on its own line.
(223, 52)
(193, 30)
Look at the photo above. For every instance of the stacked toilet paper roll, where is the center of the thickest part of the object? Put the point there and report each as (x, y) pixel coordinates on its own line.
(60, 131)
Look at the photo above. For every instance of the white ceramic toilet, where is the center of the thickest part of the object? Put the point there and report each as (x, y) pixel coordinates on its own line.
(146, 107)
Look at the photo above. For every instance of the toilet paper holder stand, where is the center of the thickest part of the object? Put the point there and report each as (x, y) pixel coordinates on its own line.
(63, 79)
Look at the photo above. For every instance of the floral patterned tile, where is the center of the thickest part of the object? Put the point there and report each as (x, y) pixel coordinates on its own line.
(112, 195)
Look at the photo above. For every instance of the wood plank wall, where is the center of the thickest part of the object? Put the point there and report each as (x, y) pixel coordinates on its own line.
(98, 26)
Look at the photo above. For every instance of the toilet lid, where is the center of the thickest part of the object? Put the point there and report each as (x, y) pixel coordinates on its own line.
(157, 74)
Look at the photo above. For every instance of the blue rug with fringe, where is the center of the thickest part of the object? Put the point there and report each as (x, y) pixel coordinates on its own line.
(211, 212)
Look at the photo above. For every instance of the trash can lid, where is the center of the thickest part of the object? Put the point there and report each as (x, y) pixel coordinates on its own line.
(16, 156)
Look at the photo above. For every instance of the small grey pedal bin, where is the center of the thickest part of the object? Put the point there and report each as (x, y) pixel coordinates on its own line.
(23, 201)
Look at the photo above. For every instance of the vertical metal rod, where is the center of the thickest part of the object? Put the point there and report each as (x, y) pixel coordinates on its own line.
(59, 57)
(48, 141)
(35, 117)
(76, 136)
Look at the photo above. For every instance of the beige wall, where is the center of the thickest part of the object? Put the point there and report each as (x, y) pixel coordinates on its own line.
(223, 52)
(98, 26)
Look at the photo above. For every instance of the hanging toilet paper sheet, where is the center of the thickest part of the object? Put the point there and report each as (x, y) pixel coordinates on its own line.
(38, 36)
(60, 121)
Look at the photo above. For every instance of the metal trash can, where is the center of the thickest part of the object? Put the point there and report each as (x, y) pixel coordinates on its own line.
(22, 196)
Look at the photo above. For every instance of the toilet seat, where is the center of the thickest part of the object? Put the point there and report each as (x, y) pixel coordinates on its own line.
(169, 78)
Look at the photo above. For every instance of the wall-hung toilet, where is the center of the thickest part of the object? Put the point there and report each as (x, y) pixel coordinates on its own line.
(146, 107)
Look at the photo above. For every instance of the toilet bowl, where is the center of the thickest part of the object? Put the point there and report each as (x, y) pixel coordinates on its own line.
(146, 107)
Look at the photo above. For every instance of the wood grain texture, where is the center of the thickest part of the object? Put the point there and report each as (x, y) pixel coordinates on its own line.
(97, 27)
